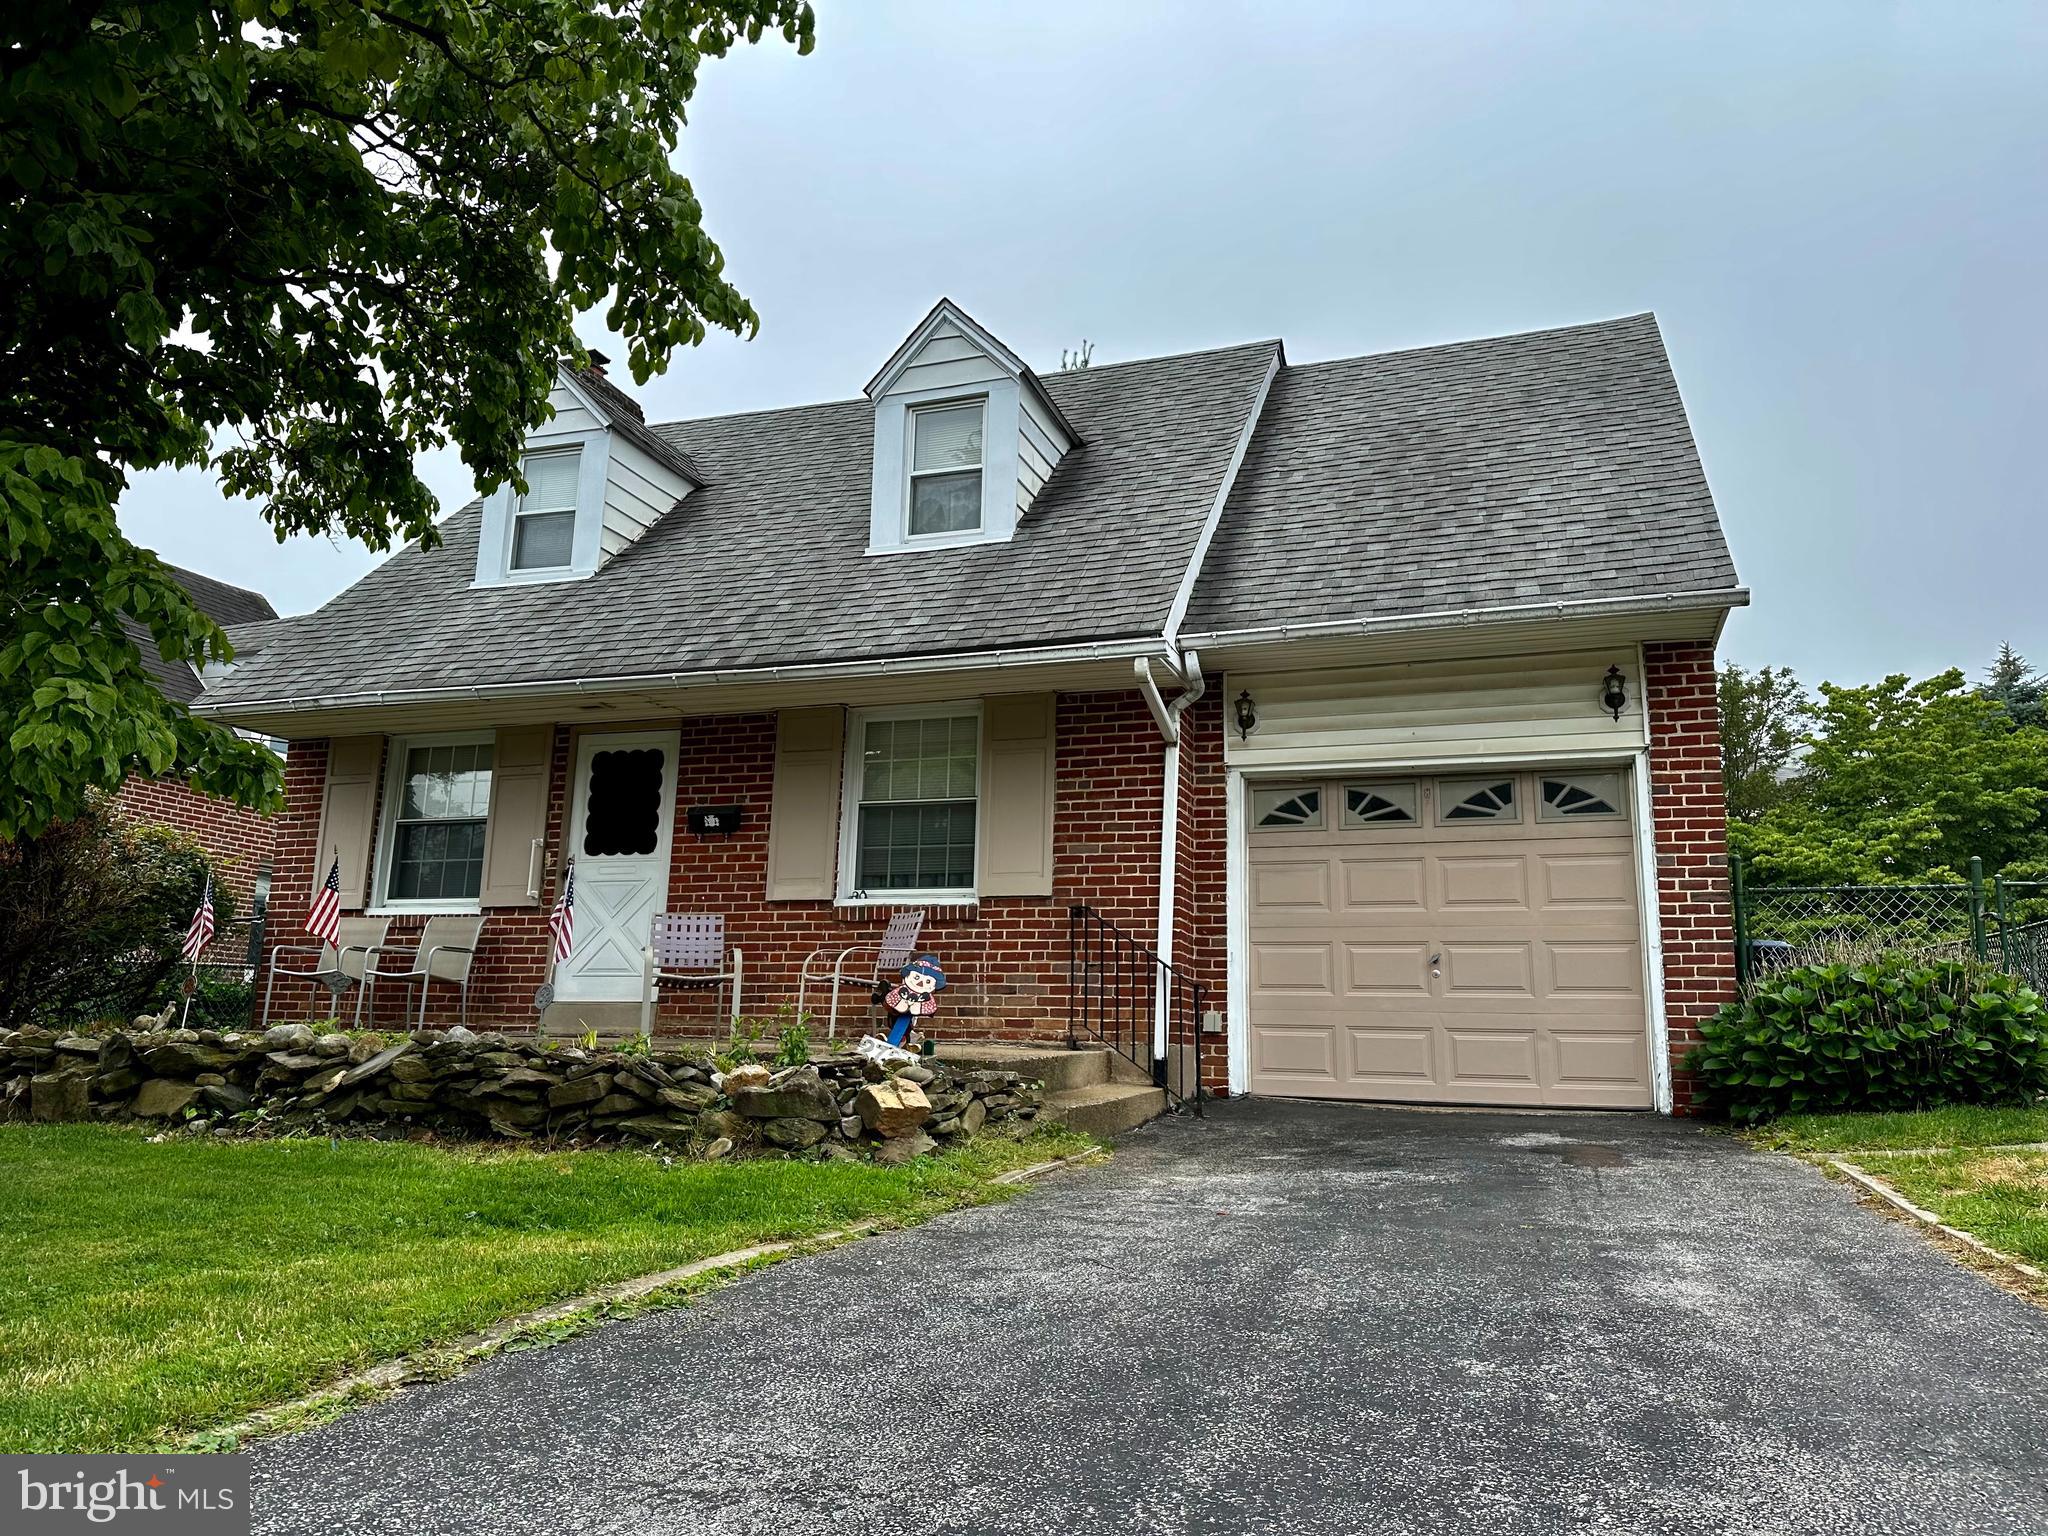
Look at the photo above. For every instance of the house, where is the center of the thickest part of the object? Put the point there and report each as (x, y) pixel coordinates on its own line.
(237, 838)
(1376, 696)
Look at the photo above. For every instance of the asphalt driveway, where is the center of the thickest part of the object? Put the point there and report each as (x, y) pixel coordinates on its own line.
(1288, 1318)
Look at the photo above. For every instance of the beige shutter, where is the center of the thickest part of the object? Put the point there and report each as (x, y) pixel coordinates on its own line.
(803, 820)
(516, 834)
(347, 814)
(1017, 789)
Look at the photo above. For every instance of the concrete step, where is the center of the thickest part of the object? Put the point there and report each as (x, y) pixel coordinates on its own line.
(1106, 1109)
(1054, 1065)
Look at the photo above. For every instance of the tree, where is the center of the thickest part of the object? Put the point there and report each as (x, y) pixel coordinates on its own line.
(1764, 715)
(2017, 688)
(1902, 782)
(300, 241)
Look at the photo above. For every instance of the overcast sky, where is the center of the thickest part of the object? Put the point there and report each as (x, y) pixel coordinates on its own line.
(1838, 212)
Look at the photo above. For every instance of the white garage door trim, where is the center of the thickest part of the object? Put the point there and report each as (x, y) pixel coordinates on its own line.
(1237, 897)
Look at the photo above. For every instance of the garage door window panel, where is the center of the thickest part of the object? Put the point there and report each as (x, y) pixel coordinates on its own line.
(1289, 808)
(1579, 797)
(1488, 799)
(1380, 805)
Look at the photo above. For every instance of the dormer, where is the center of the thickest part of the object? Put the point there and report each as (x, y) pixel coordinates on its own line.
(597, 478)
(965, 438)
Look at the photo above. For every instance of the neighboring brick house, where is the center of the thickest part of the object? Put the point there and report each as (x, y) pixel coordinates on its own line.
(238, 838)
(1374, 695)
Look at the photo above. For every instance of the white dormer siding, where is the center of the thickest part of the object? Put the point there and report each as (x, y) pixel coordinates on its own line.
(949, 363)
(619, 492)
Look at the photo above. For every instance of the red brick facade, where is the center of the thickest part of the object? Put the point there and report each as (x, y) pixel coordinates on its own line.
(1691, 826)
(240, 841)
(1008, 956)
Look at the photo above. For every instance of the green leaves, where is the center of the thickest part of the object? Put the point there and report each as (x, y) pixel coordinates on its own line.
(1894, 1034)
(1900, 782)
(327, 235)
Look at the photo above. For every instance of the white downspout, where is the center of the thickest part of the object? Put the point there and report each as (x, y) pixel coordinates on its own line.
(1168, 717)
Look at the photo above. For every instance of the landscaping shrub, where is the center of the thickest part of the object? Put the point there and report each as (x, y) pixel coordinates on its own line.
(92, 912)
(1896, 1033)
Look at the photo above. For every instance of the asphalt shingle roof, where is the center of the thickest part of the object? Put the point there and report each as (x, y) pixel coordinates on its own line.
(219, 601)
(766, 564)
(1552, 465)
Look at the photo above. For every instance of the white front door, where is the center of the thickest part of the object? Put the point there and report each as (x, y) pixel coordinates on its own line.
(621, 818)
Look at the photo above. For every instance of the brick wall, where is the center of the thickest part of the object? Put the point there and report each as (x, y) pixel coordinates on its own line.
(240, 841)
(1691, 838)
(1006, 958)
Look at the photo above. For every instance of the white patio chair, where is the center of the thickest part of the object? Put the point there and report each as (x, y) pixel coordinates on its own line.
(337, 966)
(880, 962)
(687, 949)
(444, 952)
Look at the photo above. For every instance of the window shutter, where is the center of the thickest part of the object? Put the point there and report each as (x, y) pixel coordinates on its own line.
(347, 813)
(515, 836)
(803, 820)
(1017, 794)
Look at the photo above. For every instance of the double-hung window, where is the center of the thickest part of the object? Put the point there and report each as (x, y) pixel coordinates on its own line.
(544, 521)
(913, 790)
(945, 468)
(435, 810)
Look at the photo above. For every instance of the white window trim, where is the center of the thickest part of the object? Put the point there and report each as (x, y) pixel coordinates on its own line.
(494, 537)
(912, 474)
(849, 806)
(889, 509)
(519, 509)
(395, 750)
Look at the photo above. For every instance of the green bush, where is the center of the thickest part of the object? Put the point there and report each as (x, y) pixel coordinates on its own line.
(92, 913)
(1895, 1033)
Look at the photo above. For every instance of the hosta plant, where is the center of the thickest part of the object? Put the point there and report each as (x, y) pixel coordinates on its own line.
(1898, 1032)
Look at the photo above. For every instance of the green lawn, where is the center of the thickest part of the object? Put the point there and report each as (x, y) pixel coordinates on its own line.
(2001, 1197)
(153, 1290)
(1958, 1127)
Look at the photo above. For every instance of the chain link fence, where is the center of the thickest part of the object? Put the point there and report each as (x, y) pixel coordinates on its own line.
(2000, 922)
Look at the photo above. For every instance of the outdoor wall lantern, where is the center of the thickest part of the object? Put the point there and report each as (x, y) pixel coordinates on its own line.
(1247, 716)
(1614, 692)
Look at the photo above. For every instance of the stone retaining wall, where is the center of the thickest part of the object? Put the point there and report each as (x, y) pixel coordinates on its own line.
(456, 1083)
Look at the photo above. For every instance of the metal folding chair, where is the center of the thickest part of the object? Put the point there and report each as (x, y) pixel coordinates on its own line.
(445, 952)
(687, 949)
(337, 966)
(841, 969)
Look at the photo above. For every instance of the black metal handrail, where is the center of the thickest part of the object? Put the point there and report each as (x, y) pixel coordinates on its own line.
(1121, 995)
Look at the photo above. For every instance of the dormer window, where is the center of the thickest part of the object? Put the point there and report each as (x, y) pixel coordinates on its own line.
(965, 439)
(946, 468)
(544, 522)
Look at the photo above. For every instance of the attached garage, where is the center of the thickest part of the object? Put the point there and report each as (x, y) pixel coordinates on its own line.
(1472, 936)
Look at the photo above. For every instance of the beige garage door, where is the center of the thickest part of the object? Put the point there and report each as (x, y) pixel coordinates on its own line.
(1472, 939)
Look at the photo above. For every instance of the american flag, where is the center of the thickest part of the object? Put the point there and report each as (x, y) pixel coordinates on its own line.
(323, 918)
(200, 934)
(562, 921)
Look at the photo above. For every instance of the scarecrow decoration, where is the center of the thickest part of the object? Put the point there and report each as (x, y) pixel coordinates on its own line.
(913, 998)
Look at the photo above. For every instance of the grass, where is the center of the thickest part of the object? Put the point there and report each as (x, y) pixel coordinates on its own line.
(156, 1289)
(2000, 1197)
(1955, 1127)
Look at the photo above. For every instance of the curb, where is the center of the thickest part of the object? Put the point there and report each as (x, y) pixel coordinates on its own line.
(450, 1358)
(1892, 1197)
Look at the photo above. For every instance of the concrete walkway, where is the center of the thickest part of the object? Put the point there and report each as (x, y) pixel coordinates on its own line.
(1288, 1318)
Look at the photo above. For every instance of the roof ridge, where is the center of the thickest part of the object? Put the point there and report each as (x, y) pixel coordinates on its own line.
(862, 400)
(1610, 323)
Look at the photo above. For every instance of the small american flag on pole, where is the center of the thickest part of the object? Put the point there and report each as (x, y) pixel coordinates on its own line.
(323, 918)
(200, 934)
(562, 921)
